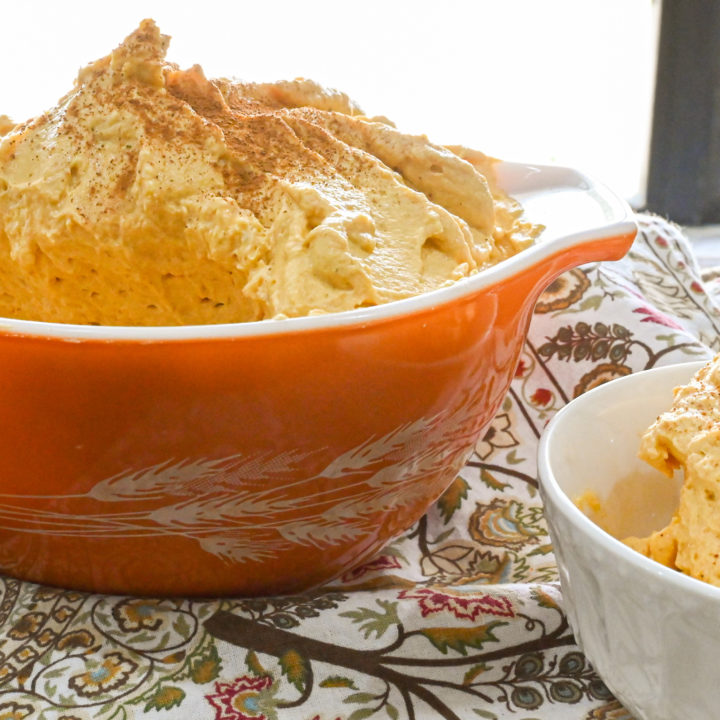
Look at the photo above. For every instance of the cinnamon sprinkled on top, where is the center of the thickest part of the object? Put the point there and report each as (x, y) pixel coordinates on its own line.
(151, 195)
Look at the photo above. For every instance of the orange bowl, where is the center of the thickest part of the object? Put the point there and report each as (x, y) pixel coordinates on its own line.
(267, 457)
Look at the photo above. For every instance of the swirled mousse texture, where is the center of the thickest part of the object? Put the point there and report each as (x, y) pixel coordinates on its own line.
(6, 124)
(151, 195)
(687, 436)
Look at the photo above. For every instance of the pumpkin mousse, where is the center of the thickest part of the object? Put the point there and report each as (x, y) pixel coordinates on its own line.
(687, 436)
(151, 195)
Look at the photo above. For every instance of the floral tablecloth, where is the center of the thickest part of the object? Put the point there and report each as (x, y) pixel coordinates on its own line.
(462, 617)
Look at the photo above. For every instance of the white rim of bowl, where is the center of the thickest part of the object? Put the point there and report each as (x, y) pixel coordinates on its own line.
(596, 534)
(360, 317)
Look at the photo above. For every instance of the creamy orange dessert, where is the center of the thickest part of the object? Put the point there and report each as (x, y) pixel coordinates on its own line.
(151, 195)
(687, 436)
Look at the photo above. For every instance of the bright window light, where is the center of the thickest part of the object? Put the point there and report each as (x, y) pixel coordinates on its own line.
(560, 81)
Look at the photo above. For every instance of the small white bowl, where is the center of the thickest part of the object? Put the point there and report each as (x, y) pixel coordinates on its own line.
(652, 634)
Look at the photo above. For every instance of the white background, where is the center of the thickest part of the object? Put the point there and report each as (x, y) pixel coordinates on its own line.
(559, 81)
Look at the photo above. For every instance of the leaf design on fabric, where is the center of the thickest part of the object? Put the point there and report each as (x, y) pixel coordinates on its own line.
(460, 639)
(374, 621)
(173, 658)
(512, 458)
(491, 481)
(295, 668)
(452, 498)
(542, 550)
(360, 697)
(654, 316)
(254, 665)
(589, 342)
(338, 681)
(206, 667)
(165, 698)
(592, 302)
(544, 599)
(474, 672)
(362, 713)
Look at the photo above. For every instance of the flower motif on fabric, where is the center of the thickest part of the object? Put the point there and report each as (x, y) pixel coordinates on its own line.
(500, 524)
(522, 369)
(598, 375)
(246, 698)
(138, 614)
(464, 606)
(565, 290)
(26, 653)
(46, 594)
(462, 562)
(76, 640)
(46, 637)
(497, 436)
(15, 711)
(382, 562)
(541, 397)
(27, 625)
(62, 614)
(110, 674)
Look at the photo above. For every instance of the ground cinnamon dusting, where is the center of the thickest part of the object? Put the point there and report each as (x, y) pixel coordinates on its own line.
(162, 197)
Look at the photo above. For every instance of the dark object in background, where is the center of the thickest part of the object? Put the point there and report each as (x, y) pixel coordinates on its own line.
(684, 170)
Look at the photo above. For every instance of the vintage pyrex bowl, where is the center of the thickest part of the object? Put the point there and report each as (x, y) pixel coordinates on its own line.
(651, 633)
(267, 457)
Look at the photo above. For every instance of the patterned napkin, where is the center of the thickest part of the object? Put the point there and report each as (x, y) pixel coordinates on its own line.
(460, 618)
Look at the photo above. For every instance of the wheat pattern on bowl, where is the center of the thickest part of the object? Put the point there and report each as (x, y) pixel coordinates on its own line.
(268, 457)
(224, 504)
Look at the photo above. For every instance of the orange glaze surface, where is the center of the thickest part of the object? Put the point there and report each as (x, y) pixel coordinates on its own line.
(251, 464)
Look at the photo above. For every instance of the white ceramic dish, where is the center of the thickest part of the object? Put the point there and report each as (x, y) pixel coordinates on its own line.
(652, 633)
